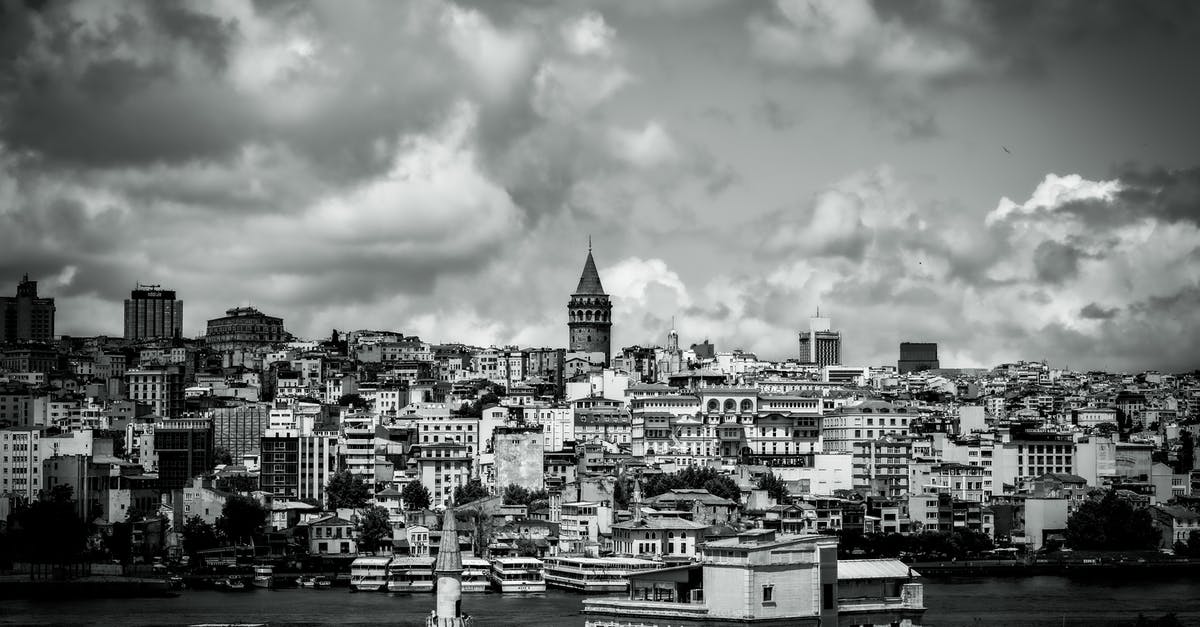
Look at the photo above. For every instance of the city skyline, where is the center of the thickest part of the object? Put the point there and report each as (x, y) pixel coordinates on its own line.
(1009, 181)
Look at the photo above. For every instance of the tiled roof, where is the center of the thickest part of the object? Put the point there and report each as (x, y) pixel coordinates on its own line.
(874, 569)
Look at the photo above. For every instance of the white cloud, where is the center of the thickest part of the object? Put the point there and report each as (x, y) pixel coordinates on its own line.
(588, 35)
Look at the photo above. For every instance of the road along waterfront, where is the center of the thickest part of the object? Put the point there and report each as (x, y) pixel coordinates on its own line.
(1004, 601)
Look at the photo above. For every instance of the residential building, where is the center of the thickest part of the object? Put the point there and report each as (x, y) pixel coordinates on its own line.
(21, 462)
(519, 457)
(238, 430)
(861, 422)
(162, 388)
(332, 535)
(662, 537)
(1176, 523)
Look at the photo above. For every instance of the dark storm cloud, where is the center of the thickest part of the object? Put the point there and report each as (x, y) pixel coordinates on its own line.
(1056, 262)
(1092, 311)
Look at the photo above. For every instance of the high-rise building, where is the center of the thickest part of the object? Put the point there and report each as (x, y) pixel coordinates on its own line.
(244, 327)
(159, 387)
(25, 317)
(184, 448)
(239, 429)
(917, 356)
(151, 313)
(589, 314)
(820, 345)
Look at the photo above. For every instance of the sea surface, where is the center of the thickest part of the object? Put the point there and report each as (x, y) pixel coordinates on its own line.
(1032, 601)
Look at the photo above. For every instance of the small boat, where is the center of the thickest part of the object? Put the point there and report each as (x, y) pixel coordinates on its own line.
(321, 582)
(306, 581)
(232, 584)
(174, 582)
(264, 576)
(517, 574)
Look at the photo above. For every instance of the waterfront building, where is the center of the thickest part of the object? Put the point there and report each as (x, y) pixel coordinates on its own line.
(244, 328)
(26, 317)
(153, 313)
(662, 537)
(589, 314)
(917, 356)
(1175, 523)
(760, 577)
(333, 535)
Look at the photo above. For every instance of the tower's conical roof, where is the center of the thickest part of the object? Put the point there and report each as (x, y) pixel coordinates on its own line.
(589, 281)
(449, 559)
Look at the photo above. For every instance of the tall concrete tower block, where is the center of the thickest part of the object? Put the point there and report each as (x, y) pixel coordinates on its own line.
(589, 314)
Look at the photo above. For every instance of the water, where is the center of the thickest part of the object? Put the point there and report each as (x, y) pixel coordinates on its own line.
(1026, 602)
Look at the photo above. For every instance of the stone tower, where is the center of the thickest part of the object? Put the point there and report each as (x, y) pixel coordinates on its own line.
(589, 314)
(447, 569)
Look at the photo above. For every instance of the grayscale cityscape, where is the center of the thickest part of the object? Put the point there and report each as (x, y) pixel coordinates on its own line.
(600, 313)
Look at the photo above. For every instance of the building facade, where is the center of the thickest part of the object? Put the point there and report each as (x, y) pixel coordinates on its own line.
(917, 356)
(820, 344)
(184, 449)
(25, 317)
(153, 313)
(244, 327)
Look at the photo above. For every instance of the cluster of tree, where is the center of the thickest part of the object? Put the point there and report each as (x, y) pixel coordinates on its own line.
(692, 477)
(346, 490)
(415, 496)
(1190, 548)
(1111, 524)
(533, 499)
(774, 487)
(1187, 452)
(960, 543)
(374, 528)
(243, 519)
(472, 490)
(474, 409)
(47, 529)
(354, 401)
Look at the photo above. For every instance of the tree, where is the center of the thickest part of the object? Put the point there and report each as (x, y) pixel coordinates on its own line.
(198, 535)
(242, 518)
(353, 400)
(415, 496)
(774, 486)
(1187, 451)
(238, 483)
(472, 490)
(517, 495)
(1110, 524)
(374, 528)
(692, 477)
(221, 455)
(47, 529)
(346, 490)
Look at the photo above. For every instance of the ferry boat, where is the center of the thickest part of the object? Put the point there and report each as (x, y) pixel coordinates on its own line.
(410, 574)
(595, 574)
(318, 582)
(264, 576)
(369, 574)
(475, 574)
(231, 584)
(517, 574)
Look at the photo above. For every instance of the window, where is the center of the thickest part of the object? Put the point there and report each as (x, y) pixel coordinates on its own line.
(827, 596)
(768, 593)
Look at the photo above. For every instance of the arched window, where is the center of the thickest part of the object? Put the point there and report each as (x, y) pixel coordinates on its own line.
(712, 405)
(746, 404)
(589, 316)
(729, 406)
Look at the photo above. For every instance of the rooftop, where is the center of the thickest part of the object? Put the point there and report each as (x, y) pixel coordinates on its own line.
(874, 569)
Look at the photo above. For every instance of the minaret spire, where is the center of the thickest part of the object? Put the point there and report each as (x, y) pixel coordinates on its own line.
(448, 571)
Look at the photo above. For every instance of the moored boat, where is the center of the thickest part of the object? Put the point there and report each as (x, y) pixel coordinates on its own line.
(595, 574)
(264, 576)
(369, 574)
(410, 574)
(475, 574)
(517, 574)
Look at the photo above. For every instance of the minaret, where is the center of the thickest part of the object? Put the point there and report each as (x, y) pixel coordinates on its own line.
(589, 313)
(448, 571)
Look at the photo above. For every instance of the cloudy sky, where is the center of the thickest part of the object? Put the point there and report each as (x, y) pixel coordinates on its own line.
(1013, 180)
